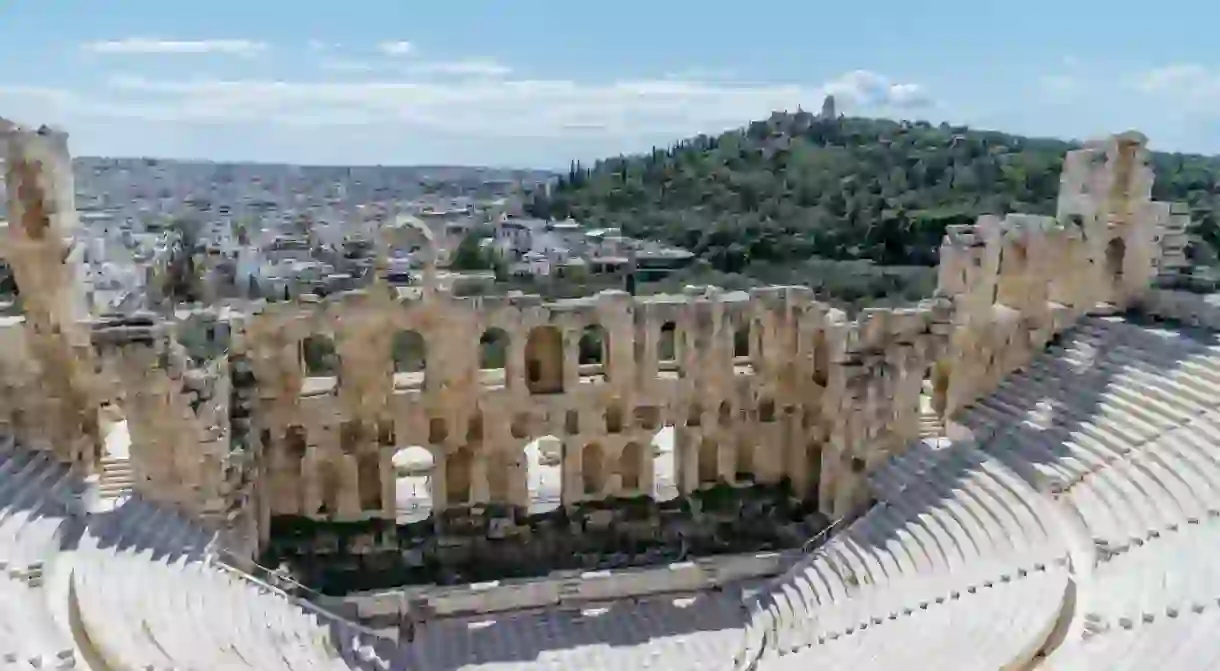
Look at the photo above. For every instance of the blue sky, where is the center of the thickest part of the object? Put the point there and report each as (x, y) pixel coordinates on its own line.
(536, 83)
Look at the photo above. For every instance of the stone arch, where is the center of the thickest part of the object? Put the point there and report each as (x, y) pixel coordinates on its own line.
(766, 410)
(665, 464)
(593, 350)
(493, 349)
(330, 487)
(631, 466)
(409, 352)
(743, 468)
(741, 341)
(593, 469)
(813, 468)
(319, 355)
(667, 346)
(368, 474)
(544, 473)
(414, 467)
(821, 358)
(709, 462)
(544, 360)
(415, 234)
(1116, 253)
(459, 467)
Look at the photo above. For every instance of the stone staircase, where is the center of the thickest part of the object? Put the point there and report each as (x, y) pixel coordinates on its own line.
(116, 479)
(931, 425)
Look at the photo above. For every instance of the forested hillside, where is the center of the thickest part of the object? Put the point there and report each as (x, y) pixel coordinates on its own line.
(854, 207)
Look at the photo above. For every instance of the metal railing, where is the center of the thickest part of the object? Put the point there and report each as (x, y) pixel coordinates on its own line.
(301, 602)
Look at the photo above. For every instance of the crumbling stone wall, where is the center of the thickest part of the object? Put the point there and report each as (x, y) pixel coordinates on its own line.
(1017, 281)
(40, 191)
(176, 404)
(760, 388)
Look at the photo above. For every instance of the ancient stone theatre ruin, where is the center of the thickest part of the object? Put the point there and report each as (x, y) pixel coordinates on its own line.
(1020, 473)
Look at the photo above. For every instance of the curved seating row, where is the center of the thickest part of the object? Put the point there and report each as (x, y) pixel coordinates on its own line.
(35, 498)
(989, 629)
(955, 524)
(1123, 421)
(149, 597)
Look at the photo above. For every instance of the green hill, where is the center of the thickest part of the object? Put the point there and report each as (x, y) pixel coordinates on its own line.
(854, 207)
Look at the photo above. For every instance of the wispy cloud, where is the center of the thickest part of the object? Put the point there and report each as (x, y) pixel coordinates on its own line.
(399, 48)
(1180, 78)
(498, 106)
(486, 68)
(144, 45)
(870, 89)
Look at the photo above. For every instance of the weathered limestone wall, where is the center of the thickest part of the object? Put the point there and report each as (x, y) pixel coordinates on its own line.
(176, 404)
(757, 387)
(40, 191)
(1017, 281)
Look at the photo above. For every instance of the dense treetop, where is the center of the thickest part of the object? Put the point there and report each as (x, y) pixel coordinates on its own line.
(854, 207)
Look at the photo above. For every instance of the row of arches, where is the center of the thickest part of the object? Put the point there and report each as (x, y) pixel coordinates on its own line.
(543, 353)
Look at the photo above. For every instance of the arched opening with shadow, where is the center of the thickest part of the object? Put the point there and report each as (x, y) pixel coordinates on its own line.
(709, 462)
(544, 361)
(544, 474)
(664, 464)
(320, 357)
(368, 473)
(493, 357)
(724, 416)
(414, 467)
(330, 486)
(743, 468)
(593, 469)
(741, 344)
(631, 468)
(668, 350)
(409, 353)
(594, 352)
(813, 469)
(458, 475)
(1116, 253)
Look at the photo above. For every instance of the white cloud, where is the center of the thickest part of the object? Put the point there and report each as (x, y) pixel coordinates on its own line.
(499, 106)
(1183, 78)
(869, 89)
(144, 45)
(400, 48)
(486, 68)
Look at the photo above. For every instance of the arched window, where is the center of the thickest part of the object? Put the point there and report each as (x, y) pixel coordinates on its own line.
(409, 352)
(1116, 252)
(592, 468)
(544, 361)
(741, 342)
(594, 350)
(493, 349)
(320, 356)
(630, 463)
(667, 347)
(709, 462)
